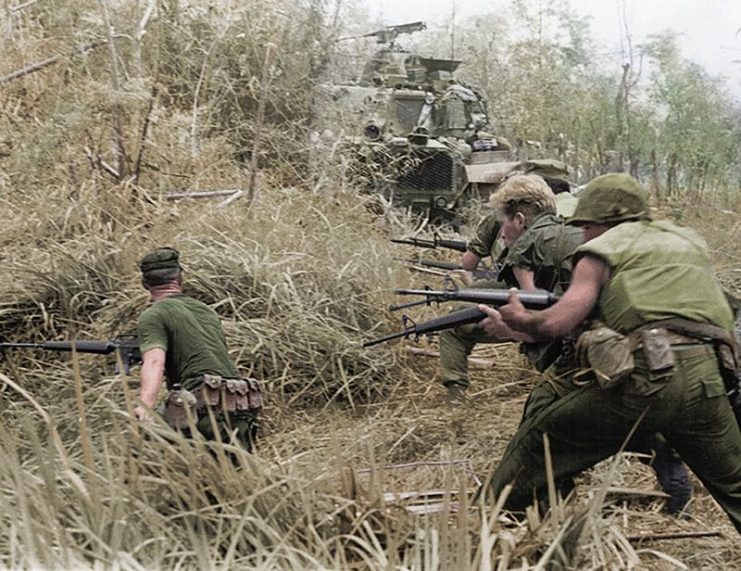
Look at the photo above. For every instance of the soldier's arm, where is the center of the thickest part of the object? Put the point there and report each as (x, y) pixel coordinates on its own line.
(153, 345)
(481, 244)
(525, 278)
(590, 274)
(152, 374)
(469, 261)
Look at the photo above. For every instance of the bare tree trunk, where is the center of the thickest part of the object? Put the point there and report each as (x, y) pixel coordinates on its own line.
(655, 182)
(671, 175)
(621, 111)
(199, 84)
(267, 74)
(118, 137)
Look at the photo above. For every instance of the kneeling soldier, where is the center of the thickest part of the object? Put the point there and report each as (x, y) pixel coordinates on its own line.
(182, 338)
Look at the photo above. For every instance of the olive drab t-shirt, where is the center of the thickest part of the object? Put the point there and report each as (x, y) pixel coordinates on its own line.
(191, 335)
(657, 271)
(545, 249)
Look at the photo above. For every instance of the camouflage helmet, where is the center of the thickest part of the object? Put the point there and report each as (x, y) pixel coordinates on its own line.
(550, 168)
(609, 198)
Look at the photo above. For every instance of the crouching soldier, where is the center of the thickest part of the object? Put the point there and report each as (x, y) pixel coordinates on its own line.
(181, 338)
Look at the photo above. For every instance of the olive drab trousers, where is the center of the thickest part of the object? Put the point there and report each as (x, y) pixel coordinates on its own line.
(455, 345)
(689, 407)
(669, 468)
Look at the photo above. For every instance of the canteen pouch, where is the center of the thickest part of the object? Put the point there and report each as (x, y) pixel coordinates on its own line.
(607, 353)
(657, 350)
(179, 405)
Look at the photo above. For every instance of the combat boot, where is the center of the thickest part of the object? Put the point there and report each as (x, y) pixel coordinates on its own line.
(456, 394)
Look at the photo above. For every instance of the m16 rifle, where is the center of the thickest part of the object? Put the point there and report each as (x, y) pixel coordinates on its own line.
(126, 348)
(436, 242)
(493, 297)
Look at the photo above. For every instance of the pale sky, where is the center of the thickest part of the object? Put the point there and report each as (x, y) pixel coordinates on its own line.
(709, 29)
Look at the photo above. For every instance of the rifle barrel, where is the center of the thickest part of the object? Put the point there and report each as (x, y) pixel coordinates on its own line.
(20, 346)
(94, 347)
(372, 342)
(398, 306)
(496, 297)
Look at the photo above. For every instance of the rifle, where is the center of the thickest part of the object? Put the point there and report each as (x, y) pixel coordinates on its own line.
(538, 299)
(480, 274)
(126, 347)
(436, 242)
(493, 297)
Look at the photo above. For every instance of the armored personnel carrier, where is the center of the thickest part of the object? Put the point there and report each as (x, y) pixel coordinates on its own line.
(417, 134)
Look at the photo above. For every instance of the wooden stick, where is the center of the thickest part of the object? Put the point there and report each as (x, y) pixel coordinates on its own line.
(202, 194)
(676, 535)
(34, 67)
(100, 163)
(636, 492)
(231, 199)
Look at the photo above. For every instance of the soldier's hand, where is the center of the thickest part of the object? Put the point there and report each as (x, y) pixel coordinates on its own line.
(514, 313)
(142, 414)
(493, 324)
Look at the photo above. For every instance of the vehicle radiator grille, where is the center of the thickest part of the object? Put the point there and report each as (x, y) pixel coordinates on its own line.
(428, 173)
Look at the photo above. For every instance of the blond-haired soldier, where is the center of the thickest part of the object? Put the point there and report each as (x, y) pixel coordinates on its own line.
(538, 247)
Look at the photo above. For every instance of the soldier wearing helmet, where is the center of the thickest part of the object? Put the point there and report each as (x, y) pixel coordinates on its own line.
(656, 362)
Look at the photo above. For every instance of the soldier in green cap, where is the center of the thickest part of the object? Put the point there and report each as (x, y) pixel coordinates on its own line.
(181, 339)
(656, 360)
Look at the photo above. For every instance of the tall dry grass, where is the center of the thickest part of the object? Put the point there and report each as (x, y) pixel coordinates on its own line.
(300, 275)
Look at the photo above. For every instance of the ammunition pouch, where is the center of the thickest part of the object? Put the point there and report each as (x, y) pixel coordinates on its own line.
(605, 353)
(609, 354)
(180, 408)
(228, 395)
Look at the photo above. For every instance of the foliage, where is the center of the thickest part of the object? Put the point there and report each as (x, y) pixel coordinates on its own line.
(138, 99)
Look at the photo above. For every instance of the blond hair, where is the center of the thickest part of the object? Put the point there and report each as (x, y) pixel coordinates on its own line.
(528, 194)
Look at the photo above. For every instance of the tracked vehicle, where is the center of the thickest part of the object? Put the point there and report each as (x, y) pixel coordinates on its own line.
(416, 134)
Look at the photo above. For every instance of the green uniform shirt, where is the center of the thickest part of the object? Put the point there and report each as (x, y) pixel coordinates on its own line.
(545, 249)
(486, 241)
(658, 271)
(191, 335)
